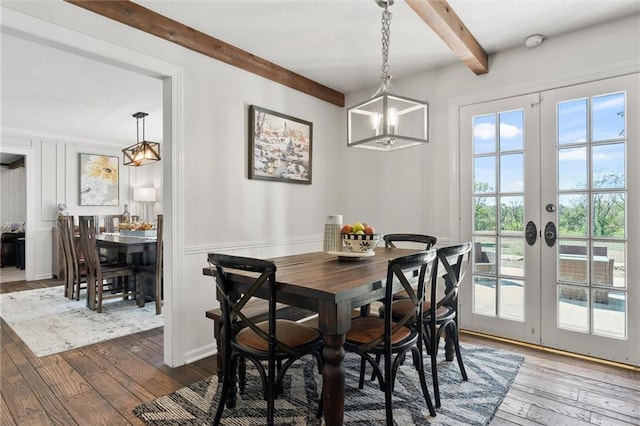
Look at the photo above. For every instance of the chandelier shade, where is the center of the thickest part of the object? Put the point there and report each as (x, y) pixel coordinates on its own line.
(387, 121)
(142, 152)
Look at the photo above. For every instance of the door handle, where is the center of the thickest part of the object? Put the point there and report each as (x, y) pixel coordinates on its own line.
(550, 234)
(531, 233)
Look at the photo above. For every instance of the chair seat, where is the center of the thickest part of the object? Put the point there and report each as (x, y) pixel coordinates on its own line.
(288, 332)
(365, 329)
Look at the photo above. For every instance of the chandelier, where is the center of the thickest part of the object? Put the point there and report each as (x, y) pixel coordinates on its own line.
(387, 122)
(142, 152)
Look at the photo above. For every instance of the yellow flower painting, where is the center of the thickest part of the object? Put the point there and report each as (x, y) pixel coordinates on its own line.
(98, 180)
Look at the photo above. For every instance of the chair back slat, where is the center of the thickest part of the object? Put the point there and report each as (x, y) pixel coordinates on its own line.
(454, 275)
(390, 240)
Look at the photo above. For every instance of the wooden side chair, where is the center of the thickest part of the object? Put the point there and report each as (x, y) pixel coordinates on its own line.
(276, 342)
(76, 268)
(427, 241)
(103, 282)
(373, 336)
(154, 270)
(441, 308)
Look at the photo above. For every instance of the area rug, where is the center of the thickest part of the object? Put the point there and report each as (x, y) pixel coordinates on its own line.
(50, 323)
(490, 371)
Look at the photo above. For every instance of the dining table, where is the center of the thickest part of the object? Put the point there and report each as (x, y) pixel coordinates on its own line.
(132, 250)
(333, 286)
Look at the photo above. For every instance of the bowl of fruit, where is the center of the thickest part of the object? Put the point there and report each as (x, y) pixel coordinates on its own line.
(360, 237)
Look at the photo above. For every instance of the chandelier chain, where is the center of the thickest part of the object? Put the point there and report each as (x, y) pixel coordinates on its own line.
(386, 33)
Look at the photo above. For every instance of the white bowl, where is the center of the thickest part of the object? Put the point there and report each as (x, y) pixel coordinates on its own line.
(360, 243)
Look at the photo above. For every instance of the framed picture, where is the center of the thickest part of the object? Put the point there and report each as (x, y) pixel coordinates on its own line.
(279, 147)
(99, 180)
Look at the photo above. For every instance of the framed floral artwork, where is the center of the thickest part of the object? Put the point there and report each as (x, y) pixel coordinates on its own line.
(99, 180)
(279, 147)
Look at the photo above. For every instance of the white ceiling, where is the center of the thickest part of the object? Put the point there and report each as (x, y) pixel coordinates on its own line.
(336, 43)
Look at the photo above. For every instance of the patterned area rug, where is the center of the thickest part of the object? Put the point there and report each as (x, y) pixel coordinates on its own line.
(50, 323)
(490, 372)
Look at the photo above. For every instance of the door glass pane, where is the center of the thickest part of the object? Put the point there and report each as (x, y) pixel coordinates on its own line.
(512, 173)
(608, 117)
(613, 253)
(484, 252)
(484, 174)
(572, 215)
(512, 257)
(572, 168)
(512, 299)
(573, 265)
(608, 166)
(572, 122)
(609, 310)
(573, 308)
(512, 214)
(484, 296)
(485, 214)
(609, 214)
(484, 134)
(511, 130)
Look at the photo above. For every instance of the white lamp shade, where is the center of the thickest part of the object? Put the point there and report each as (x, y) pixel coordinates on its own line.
(144, 195)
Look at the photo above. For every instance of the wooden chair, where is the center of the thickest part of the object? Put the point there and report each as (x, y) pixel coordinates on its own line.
(111, 223)
(112, 280)
(373, 336)
(441, 310)
(155, 270)
(274, 341)
(75, 266)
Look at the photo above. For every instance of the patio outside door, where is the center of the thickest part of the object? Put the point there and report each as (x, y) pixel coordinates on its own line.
(566, 161)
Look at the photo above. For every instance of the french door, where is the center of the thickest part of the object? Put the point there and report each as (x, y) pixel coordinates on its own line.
(550, 197)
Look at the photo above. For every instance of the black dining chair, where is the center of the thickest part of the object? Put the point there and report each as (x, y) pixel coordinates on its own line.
(441, 308)
(373, 337)
(276, 342)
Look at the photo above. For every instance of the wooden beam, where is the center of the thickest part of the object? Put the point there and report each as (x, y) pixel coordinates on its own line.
(446, 24)
(143, 19)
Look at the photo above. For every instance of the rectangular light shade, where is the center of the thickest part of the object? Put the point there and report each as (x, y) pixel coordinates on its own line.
(388, 122)
(144, 195)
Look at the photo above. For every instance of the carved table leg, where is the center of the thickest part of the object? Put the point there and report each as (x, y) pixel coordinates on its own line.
(333, 379)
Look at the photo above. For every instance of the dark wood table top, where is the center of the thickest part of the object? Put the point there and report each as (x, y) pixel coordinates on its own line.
(125, 244)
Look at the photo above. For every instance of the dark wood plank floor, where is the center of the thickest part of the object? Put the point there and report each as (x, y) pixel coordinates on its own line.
(102, 383)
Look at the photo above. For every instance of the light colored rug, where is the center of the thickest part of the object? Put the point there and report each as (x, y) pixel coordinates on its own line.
(50, 323)
(490, 371)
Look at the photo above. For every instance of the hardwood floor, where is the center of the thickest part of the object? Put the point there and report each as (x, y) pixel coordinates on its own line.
(102, 383)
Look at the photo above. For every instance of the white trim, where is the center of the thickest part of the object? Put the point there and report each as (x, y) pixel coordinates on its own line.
(29, 27)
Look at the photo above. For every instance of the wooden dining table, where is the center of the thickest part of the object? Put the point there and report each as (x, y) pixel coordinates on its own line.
(332, 287)
(130, 250)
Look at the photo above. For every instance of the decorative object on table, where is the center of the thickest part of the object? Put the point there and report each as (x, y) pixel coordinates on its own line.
(125, 217)
(49, 323)
(359, 237)
(280, 147)
(138, 229)
(387, 121)
(146, 196)
(142, 152)
(467, 402)
(98, 180)
(62, 210)
(332, 238)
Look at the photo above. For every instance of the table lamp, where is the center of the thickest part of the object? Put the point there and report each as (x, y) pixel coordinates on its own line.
(146, 196)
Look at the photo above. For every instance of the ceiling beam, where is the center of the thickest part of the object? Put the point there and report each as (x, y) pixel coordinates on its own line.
(143, 19)
(446, 24)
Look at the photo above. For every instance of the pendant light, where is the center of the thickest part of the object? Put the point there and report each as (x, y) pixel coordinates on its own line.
(387, 122)
(142, 152)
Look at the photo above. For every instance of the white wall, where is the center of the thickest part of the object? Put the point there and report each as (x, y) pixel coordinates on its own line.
(219, 209)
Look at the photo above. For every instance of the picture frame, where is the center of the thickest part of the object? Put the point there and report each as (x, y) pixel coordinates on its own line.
(280, 147)
(99, 180)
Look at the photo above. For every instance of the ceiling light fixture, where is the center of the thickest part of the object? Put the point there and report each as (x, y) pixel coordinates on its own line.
(142, 152)
(387, 122)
